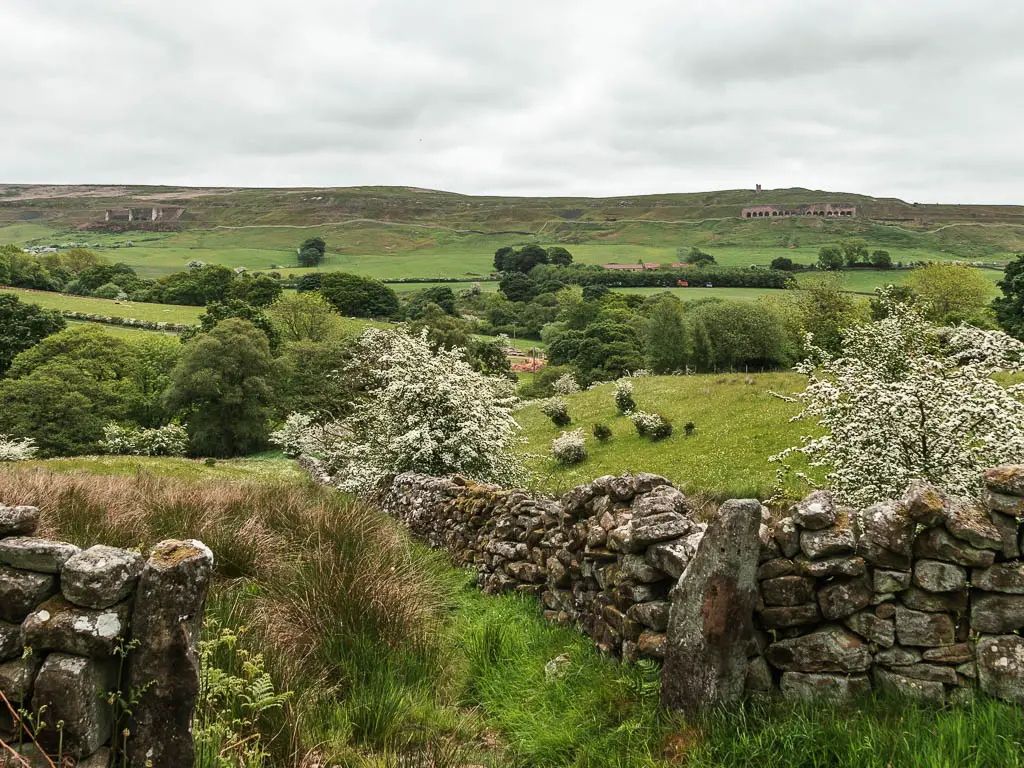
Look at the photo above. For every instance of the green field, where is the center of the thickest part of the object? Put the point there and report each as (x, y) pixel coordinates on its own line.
(739, 424)
(165, 313)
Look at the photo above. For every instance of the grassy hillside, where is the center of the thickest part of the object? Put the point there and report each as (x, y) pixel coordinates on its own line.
(739, 424)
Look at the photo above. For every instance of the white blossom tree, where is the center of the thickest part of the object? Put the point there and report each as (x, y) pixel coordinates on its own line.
(17, 449)
(424, 411)
(908, 400)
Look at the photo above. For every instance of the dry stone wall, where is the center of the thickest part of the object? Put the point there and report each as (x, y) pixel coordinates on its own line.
(923, 595)
(78, 624)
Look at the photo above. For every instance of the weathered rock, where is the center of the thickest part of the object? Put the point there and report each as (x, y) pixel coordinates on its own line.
(787, 534)
(32, 554)
(1007, 479)
(769, 548)
(897, 657)
(831, 649)
(934, 672)
(58, 625)
(71, 688)
(10, 640)
(759, 676)
(167, 620)
(710, 620)
(526, 572)
(636, 568)
(575, 501)
(837, 539)
(996, 614)
(891, 581)
(641, 593)
(879, 631)
(652, 644)
(1001, 502)
(781, 617)
(922, 600)
(949, 654)
(1001, 667)
(100, 576)
(1001, 577)
(842, 597)
(886, 535)
(672, 557)
(970, 522)
(885, 610)
(656, 528)
(788, 590)
(17, 678)
(939, 544)
(815, 512)
(839, 689)
(924, 629)
(899, 685)
(1007, 527)
(833, 566)
(653, 615)
(772, 569)
(21, 591)
(925, 503)
(665, 498)
(558, 574)
(937, 576)
(18, 521)
(968, 670)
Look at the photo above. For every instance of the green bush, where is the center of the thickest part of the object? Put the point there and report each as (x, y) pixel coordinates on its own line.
(602, 432)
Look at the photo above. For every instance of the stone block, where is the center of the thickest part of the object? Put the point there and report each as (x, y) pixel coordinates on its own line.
(815, 512)
(18, 521)
(842, 597)
(787, 535)
(1007, 527)
(18, 677)
(653, 615)
(636, 568)
(933, 672)
(1001, 577)
(788, 590)
(939, 544)
(925, 503)
(33, 554)
(72, 689)
(672, 557)
(924, 629)
(869, 626)
(838, 689)
(782, 617)
(664, 526)
(922, 600)
(886, 535)
(995, 614)
(891, 581)
(831, 649)
(100, 576)
(22, 591)
(970, 522)
(950, 654)
(1000, 667)
(10, 641)
(773, 569)
(897, 656)
(837, 539)
(58, 625)
(759, 676)
(1007, 479)
(1001, 502)
(833, 566)
(662, 499)
(937, 576)
(652, 644)
(890, 683)
(769, 548)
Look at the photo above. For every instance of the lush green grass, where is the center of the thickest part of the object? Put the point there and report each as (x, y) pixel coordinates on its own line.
(693, 294)
(875, 732)
(269, 467)
(739, 424)
(167, 313)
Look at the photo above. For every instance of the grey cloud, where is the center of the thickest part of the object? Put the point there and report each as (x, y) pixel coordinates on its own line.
(914, 99)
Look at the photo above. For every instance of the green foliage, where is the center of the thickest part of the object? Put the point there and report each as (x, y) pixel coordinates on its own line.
(522, 260)
(441, 296)
(311, 380)
(109, 291)
(1009, 308)
(311, 252)
(699, 258)
(736, 335)
(880, 259)
(355, 296)
(830, 257)
(22, 326)
(783, 263)
(518, 286)
(224, 386)
(198, 286)
(667, 343)
(602, 431)
(257, 290)
(559, 255)
(557, 410)
(824, 309)
(304, 317)
(217, 312)
(951, 293)
(855, 251)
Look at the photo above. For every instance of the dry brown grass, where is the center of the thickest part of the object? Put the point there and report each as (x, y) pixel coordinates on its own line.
(313, 574)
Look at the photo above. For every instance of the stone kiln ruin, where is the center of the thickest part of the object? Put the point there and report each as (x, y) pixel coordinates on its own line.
(77, 624)
(825, 210)
(923, 595)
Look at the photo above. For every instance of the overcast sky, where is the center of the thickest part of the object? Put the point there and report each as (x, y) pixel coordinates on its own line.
(920, 99)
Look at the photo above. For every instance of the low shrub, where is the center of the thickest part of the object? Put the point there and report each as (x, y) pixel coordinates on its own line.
(169, 440)
(689, 428)
(602, 432)
(557, 410)
(14, 449)
(624, 401)
(652, 425)
(566, 384)
(569, 448)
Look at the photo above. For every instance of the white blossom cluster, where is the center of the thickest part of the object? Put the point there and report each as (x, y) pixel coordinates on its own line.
(169, 440)
(624, 396)
(424, 411)
(566, 384)
(15, 449)
(906, 400)
(652, 425)
(569, 448)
